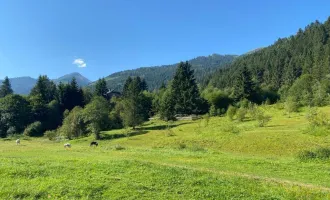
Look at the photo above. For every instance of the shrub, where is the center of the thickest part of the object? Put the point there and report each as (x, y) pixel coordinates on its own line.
(306, 155)
(51, 135)
(230, 127)
(322, 153)
(317, 118)
(34, 129)
(213, 111)
(244, 103)
(262, 118)
(241, 113)
(182, 146)
(231, 112)
(291, 105)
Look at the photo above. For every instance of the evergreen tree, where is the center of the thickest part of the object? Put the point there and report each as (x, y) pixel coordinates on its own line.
(166, 107)
(126, 85)
(45, 88)
(5, 88)
(144, 85)
(101, 88)
(134, 101)
(70, 95)
(185, 91)
(244, 86)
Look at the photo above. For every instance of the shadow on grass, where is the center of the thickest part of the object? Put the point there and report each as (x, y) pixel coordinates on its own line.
(162, 127)
(139, 131)
(121, 135)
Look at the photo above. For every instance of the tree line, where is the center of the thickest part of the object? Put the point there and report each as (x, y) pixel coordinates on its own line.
(66, 110)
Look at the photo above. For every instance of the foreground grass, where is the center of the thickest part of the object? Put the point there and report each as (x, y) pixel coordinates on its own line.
(193, 160)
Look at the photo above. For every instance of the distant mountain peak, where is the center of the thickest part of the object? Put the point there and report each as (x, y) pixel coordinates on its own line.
(23, 85)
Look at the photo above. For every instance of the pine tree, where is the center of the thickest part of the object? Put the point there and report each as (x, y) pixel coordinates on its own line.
(101, 88)
(166, 107)
(185, 91)
(126, 85)
(144, 85)
(244, 86)
(5, 88)
(45, 88)
(134, 103)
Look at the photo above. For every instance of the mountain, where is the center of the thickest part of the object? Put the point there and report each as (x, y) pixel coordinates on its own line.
(276, 67)
(23, 85)
(204, 66)
(81, 80)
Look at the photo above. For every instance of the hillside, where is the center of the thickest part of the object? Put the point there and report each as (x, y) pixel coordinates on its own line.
(215, 159)
(279, 65)
(23, 85)
(155, 76)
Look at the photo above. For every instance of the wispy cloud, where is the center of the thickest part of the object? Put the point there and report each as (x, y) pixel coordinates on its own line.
(80, 63)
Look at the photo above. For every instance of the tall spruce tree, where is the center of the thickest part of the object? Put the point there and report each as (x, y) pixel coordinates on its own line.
(5, 88)
(126, 85)
(244, 87)
(134, 103)
(185, 91)
(101, 88)
(45, 88)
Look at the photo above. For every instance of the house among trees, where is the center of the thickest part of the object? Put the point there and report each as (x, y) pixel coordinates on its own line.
(112, 93)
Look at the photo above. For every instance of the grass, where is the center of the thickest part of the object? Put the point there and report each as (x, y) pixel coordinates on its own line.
(217, 159)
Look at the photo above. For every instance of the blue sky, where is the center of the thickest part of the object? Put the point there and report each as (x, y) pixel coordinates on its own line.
(99, 37)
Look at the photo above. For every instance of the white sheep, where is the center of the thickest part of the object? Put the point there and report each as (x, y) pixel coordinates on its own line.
(67, 145)
(18, 141)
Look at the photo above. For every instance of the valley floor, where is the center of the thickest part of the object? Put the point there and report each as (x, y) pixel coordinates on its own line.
(215, 159)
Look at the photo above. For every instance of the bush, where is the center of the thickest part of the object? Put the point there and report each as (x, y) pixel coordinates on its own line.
(34, 130)
(182, 146)
(320, 153)
(231, 112)
(230, 127)
(306, 155)
(317, 118)
(241, 113)
(262, 118)
(51, 135)
(291, 105)
(323, 153)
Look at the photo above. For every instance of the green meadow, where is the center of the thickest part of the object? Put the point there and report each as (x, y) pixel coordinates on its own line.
(209, 158)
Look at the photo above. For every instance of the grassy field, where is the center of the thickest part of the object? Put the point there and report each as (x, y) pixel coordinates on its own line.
(215, 159)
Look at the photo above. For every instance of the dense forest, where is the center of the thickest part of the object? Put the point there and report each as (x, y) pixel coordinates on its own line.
(203, 66)
(278, 66)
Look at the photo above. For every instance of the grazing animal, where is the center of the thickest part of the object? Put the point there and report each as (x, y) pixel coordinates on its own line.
(67, 145)
(94, 144)
(18, 141)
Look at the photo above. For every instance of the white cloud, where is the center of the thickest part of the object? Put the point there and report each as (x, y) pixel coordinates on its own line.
(80, 63)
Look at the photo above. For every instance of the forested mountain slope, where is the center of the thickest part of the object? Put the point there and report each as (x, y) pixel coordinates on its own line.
(155, 76)
(279, 65)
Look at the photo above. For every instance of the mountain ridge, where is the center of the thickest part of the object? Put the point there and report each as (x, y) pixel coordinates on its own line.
(23, 85)
(204, 66)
